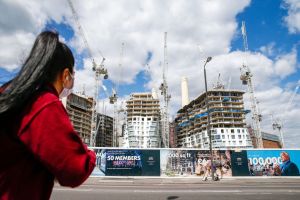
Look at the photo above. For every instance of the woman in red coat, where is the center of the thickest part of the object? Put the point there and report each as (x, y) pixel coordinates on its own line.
(37, 140)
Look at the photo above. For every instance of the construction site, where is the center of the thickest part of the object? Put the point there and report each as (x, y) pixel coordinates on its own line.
(216, 118)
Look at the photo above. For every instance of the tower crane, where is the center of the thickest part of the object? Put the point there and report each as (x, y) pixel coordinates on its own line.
(246, 77)
(277, 123)
(166, 99)
(114, 99)
(98, 69)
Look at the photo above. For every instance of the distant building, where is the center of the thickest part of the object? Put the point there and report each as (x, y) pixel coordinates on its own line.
(172, 137)
(79, 108)
(269, 140)
(104, 136)
(142, 129)
(227, 121)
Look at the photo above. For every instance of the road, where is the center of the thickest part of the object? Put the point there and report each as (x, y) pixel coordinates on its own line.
(181, 189)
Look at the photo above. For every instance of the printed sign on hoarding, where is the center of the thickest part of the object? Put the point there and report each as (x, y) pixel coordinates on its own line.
(273, 162)
(239, 163)
(127, 162)
(197, 163)
(184, 163)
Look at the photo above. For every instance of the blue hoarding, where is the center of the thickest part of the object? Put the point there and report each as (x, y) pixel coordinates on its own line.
(196, 162)
(273, 162)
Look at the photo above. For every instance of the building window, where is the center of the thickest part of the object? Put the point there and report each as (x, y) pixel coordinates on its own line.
(222, 130)
(232, 130)
(240, 137)
(217, 137)
(223, 136)
(238, 130)
(233, 137)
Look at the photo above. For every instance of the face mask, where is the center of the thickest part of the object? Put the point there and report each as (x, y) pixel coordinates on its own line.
(68, 85)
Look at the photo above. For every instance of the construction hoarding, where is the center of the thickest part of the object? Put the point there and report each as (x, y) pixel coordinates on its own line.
(195, 162)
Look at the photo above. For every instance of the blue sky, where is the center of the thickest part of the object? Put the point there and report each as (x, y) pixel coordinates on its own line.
(196, 29)
(265, 25)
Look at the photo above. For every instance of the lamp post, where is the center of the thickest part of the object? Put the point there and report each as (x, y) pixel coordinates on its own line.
(208, 120)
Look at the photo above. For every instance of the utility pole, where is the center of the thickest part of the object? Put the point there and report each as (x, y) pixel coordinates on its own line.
(246, 77)
(166, 99)
(208, 120)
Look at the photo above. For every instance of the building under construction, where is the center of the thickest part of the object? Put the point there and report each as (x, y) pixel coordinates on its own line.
(79, 108)
(142, 128)
(228, 125)
(104, 136)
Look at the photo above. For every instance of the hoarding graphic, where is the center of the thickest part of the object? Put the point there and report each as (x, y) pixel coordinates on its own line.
(185, 163)
(196, 163)
(127, 162)
(273, 162)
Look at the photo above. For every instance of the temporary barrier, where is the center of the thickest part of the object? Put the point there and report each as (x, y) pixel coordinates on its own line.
(195, 163)
(127, 162)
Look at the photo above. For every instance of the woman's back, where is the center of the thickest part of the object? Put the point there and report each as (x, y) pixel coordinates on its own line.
(39, 144)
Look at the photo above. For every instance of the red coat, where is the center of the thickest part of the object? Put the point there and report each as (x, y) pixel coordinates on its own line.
(45, 146)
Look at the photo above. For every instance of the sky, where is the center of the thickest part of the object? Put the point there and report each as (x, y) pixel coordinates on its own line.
(195, 30)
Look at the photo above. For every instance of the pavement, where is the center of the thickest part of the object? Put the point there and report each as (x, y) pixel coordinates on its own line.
(141, 188)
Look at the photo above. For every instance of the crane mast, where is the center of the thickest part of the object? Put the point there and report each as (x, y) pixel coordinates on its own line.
(166, 99)
(246, 77)
(277, 123)
(98, 69)
(114, 99)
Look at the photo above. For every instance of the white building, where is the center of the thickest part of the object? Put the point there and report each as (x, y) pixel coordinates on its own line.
(142, 129)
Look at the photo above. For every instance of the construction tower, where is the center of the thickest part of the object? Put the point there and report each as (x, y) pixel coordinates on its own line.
(166, 99)
(246, 77)
(98, 69)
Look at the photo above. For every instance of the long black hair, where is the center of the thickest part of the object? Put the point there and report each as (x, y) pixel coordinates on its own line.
(48, 58)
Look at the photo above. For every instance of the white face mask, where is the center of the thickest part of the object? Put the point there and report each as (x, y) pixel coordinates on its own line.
(67, 87)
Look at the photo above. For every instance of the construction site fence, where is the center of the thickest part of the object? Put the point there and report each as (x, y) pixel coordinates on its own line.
(196, 162)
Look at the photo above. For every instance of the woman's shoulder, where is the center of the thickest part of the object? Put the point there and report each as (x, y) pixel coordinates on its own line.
(44, 98)
(38, 103)
(41, 100)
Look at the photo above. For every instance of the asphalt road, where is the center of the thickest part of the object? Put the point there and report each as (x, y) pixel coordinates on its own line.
(179, 189)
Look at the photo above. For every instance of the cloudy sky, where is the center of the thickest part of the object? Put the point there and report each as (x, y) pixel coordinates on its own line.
(196, 29)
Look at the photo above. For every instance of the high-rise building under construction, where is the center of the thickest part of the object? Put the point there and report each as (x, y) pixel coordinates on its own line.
(227, 121)
(142, 128)
(104, 135)
(79, 108)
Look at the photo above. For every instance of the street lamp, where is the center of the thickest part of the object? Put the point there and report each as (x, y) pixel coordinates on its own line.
(208, 120)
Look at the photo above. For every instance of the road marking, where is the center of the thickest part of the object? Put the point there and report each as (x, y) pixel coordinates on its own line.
(114, 181)
(73, 189)
(187, 191)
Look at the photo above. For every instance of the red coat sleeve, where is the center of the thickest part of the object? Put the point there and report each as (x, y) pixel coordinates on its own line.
(52, 139)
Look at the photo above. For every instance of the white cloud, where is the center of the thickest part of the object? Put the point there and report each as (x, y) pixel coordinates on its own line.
(20, 22)
(15, 49)
(269, 49)
(293, 17)
(286, 64)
